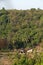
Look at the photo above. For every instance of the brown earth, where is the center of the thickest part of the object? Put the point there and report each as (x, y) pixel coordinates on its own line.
(5, 61)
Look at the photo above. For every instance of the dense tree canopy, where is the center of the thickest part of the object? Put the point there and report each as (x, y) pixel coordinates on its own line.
(22, 28)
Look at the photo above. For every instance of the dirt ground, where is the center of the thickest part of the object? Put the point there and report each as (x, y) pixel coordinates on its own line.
(5, 61)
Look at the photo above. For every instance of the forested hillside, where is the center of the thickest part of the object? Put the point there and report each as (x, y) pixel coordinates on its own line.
(21, 28)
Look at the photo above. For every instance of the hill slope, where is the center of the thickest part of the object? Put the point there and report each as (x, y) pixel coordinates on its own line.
(21, 28)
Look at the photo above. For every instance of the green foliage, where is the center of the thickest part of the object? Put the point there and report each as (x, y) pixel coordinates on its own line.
(24, 60)
(22, 28)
